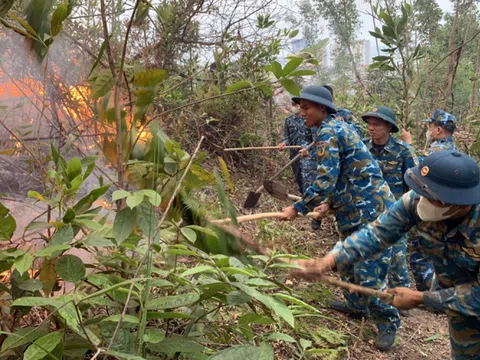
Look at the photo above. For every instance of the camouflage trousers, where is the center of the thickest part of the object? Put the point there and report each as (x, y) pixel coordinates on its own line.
(422, 269)
(372, 274)
(398, 273)
(464, 337)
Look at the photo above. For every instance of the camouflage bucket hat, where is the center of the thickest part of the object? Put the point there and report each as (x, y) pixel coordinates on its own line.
(443, 119)
(384, 113)
(318, 95)
(449, 176)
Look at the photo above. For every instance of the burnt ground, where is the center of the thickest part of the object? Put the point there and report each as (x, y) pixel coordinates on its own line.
(422, 335)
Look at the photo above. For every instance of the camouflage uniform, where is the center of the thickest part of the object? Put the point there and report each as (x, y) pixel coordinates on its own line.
(351, 181)
(394, 159)
(454, 247)
(422, 267)
(297, 133)
(347, 116)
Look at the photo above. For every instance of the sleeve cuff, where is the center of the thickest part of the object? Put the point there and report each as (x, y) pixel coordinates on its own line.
(301, 207)
(339, 254)
(434, 300)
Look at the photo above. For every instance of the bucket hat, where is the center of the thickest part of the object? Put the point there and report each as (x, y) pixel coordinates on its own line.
(449, 176)
(443, 119)
(384, 113)
(317, 94)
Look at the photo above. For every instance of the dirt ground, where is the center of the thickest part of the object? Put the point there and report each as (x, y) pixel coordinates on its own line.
(422, 335)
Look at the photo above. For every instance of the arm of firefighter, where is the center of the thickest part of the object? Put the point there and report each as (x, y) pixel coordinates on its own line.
(328, 171)
(390, 227)
(459, 300)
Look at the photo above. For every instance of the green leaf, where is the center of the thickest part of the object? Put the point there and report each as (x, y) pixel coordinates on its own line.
(23, 263)
(291, 66)
(293, 33)
(303, 73)
(126, 318)
(36, 301)
(238, 297)
(31, 285)
(285, 266)
(23, 336)
(277, 307)
(238, 86)
(85, 203)
(244, 352)
(59, 15)
(153, 197)
(70, 268)
(153, 336)
(290, 86)
(376, 35)
(123, 224)
(202, 229)
(7, 224)
(296, 301)
(69, 216)
(62, 236)
(51, 250)
(189, 234)
(277, 69)
(172, 302)
(99, 56)
(149, 78)
(381, 58)
(134, 200)
(119, 194)
(43, 346)
(103, 84)
(281, 337)
(35, 195)
(198, 270)
(74, 168)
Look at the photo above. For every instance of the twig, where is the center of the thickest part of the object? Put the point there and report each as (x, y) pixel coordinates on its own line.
(263, 148)
(99, 351)
(260, 216)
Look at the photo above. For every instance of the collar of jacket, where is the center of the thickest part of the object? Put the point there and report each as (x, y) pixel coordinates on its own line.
(390, 144)
(447, 139)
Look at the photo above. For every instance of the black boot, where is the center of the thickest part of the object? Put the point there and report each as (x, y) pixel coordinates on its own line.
(385, 339)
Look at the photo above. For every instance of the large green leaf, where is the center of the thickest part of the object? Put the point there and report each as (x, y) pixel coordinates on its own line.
(43, 346)
(239, 85)
(7, 223)
(23, 336)
(123, 224)
(279, 308)
(70, 268)
(126, 319)
(303, 73)
(74, 168)
(290, 86)
(189, 234)
(245, 352)
(149, 78)
(103, 84)
(36, 301)
(172, 302)
(62, 236)
(123, 356)
(277, 69)
(31, 285)
(85, 203)
(291, 66)
(175, 344)
(51, 251)
(59, 15)
(23, 263)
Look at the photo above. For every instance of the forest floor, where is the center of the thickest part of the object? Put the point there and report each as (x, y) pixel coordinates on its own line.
(422, 335)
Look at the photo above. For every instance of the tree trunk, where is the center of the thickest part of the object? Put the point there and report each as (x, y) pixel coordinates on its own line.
(473, 98)
(454, 57)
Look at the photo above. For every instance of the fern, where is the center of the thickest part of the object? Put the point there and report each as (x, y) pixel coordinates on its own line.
(226, 174)
(193, 205)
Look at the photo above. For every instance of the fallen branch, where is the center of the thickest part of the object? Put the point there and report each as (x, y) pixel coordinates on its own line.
(352, 288)
(260, 216)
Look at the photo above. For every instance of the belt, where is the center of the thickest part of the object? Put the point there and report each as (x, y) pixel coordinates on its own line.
(422, 185)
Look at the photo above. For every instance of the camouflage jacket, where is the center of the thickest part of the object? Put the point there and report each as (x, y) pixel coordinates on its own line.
(296, 132)
(453, 247)
(394, 160)
(347, 116)
(442, 144)
(347, 177)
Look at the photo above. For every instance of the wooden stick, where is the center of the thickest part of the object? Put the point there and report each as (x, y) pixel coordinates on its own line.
(260, 216)
(352, 288)
(263, 148)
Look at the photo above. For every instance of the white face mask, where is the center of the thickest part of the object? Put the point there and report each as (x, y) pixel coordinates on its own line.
(429, 212)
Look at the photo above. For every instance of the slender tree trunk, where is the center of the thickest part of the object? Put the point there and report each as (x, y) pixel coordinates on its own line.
(473, 98)
(454, 57)
(374, 26)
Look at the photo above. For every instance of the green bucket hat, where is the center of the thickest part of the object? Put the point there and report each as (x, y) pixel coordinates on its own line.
(384, 113)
